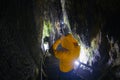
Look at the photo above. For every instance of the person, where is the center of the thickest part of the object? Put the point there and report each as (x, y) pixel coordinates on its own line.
(67, 50)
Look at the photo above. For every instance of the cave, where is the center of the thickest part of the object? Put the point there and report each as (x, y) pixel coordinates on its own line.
(29, 28)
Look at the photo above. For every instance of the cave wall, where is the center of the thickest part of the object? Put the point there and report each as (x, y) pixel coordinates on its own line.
(93, 15)
(20, 39)
(21, 26)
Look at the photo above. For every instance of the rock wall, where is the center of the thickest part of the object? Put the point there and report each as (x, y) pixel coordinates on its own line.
(20, 39)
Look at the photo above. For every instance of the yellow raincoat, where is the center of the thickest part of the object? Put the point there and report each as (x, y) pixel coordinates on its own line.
(69, 53)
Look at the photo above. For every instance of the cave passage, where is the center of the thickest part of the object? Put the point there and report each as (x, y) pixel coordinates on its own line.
(28, 30)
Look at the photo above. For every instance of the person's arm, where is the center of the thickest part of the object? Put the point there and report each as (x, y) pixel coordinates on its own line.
(56, 44)
(60, 54)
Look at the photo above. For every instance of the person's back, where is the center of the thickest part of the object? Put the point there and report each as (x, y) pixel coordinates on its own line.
(69, 53)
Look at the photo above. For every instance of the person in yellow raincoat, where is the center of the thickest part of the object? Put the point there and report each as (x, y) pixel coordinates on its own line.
(67, 55)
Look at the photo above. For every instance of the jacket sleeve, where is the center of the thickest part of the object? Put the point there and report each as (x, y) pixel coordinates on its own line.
(60, 54)
(56, 44)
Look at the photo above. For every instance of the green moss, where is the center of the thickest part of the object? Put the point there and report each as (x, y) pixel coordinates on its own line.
(47, 26)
